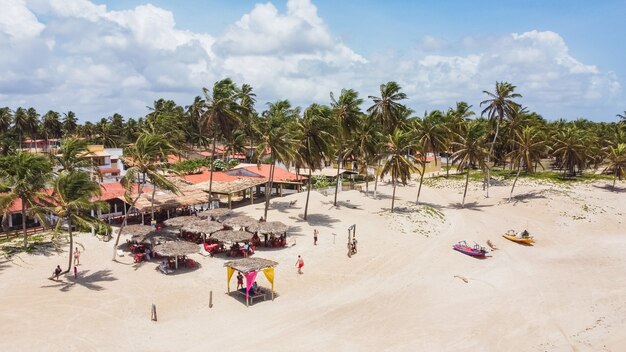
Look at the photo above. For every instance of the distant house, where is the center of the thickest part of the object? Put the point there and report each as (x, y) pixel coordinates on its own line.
(41, 145)
(102, 162)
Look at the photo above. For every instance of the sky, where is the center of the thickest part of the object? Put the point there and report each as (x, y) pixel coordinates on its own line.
(100, 57)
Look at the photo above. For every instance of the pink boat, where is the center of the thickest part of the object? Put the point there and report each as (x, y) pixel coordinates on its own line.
(476, 251)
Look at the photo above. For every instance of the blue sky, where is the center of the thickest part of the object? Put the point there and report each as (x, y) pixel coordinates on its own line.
(101, 57)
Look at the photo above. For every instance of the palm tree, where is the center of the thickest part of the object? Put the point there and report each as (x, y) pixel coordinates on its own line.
(570, 149)
(499, 105)
(248, 114)
(529, 146)
(20, 124)
(51, 125)
(24, 176)
(222, 113)
(5, 119)
(386, 108)
(73, 196)
(146, 158)
(274, 131)
(617, 161)
(70, 123)
(399, 164)
(346, 112)
(455, 120)
(622, 117)
(363, 145)
(433, 133)
(471, 151)
(72, 154)
(313, 130)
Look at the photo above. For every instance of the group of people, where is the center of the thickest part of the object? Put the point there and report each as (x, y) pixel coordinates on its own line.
(254, 289)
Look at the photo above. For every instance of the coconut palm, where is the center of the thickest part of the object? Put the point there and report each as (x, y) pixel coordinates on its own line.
(529, 147)
(24, 176)
(617, 161)
(570, 149)
(622, 117)
(314, 132)
(433, 133)
(346, 112)
(146, 162)
(70, 123)
(363, 144)
(74, 198)
(399, 163)
(274, 131)
(21, 126)
(51, 125)
(499, 105)
(471, 150)
(387, 109)
(222, 113)
(455, 121)
(72, 154)
(5, 119)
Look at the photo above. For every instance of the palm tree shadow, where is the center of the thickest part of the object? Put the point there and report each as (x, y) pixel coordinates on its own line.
(525, 197)
(89, 281)
(315, 219)
(608, 187)
(342, 203)
(471, 206)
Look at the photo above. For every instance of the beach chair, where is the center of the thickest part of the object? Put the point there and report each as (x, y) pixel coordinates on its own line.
(203, 252)
(164, 269)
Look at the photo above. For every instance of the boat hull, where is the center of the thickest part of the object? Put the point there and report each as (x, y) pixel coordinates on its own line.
(469, 251)
(527, 240)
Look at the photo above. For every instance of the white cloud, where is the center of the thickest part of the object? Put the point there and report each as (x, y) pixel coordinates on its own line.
(89, 59)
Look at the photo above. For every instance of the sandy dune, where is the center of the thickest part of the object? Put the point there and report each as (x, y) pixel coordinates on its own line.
(399, 293)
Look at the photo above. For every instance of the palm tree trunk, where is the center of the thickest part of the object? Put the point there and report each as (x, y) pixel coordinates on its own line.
(495, 136)
(465, 192)
(367, 181)
(69, 230)
(211, 172)
(447, 165)
(119, 232)
(393, 196)
(376, 178)
(519, 169)
(269, 191)
(308, 192)
(419, 189)
(24, 222)
(152, 219)
(615, 177)
(337, 184)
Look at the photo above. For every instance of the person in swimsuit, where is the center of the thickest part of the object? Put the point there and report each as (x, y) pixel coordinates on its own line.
(239, 280)
(300, 264)
(77, 257)
(315, 232)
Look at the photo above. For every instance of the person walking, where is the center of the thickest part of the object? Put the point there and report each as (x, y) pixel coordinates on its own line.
(300, 264)
(315, 233)
(76, 257)
(57, 272)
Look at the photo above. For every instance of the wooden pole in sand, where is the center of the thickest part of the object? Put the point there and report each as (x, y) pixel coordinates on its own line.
(153, 313)
(210, 299)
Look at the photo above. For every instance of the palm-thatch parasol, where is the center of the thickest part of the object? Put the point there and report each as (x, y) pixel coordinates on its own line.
(137, 231)
(232, 236)
(268, 227)
(202, 226)
(176, 248)
(240, 221)
(179, 221)
(214, 214)
(168, 234)
(246, 265)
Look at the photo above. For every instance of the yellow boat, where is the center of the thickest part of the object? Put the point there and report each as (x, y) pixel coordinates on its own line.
(525, 239)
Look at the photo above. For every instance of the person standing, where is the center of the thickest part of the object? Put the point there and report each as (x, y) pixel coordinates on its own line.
(315, 233)
(57, 272)
(76, 257)
(239, 280)
(300, 264)
(75, 272)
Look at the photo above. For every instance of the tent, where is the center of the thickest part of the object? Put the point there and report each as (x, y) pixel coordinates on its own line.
(250, 267)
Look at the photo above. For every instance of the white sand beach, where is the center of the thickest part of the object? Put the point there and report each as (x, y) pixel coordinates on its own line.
(399, 293)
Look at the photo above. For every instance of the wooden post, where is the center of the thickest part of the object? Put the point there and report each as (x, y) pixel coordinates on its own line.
(281, 190)
(251, 195)
(210, 299)
(153, 313)
(229, 200)
(142, 218)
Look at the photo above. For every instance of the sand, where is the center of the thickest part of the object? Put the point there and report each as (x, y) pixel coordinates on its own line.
(403, 291)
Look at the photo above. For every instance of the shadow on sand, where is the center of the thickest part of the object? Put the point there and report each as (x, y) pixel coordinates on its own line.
(242, 298)
(89, 281)
(525, 197)
(315, 219)
(608, 187)
(471, 206)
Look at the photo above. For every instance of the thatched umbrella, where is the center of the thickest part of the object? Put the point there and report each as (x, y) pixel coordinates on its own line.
(214, 214)
(268, 227)
(232, 236)
(163, 235)
(240, 221)
(137, 231)
(179, 221)
(176, 249)
(202, 226)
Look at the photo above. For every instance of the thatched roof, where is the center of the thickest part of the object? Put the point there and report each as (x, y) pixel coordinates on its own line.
(180, 221)
(214, 213)
(268, 227)
(232, 236)
(190, 195)
(202, 226)
(137, 230)
(247, 265)
(167, 234)
(240, 221)
(233, 186)
(174, 248)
